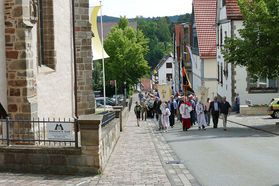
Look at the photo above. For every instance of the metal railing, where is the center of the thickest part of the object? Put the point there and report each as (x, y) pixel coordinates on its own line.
(107, 117)
(39, 132)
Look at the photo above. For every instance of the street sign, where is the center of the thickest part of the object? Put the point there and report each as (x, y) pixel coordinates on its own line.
(112, 82)
(59, 131)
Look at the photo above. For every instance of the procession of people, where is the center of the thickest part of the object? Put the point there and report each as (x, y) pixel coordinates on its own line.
(189, 110)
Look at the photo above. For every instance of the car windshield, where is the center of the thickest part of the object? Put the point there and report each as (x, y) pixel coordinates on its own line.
(271, 102)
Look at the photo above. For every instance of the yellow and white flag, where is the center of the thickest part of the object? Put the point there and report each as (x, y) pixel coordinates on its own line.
(96, 41)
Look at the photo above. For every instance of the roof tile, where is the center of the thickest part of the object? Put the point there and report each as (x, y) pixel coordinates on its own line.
(205, 16)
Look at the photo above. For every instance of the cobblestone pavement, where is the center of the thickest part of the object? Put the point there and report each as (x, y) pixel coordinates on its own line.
(135, 160)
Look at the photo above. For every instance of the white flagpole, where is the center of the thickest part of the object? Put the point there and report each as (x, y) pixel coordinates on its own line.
(103, 60)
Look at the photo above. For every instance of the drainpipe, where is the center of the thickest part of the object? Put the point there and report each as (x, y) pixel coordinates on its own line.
(75, 57)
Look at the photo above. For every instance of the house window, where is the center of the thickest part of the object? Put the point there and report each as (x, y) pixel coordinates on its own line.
(221, 74)
(169, 65)
(262, 85)
(221, 37)
(46, 48)
(218, 77)
(223, 2)
(169, 77)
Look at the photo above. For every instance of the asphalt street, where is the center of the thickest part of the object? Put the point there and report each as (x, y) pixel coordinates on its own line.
(239, 156)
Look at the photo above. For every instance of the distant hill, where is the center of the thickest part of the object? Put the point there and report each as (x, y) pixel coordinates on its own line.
(116, 19)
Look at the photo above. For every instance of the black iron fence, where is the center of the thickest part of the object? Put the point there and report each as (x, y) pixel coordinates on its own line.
(39, 132)
(107, 117)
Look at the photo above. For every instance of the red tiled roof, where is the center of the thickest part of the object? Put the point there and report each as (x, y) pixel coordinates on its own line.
(233, 10)
(205, 16)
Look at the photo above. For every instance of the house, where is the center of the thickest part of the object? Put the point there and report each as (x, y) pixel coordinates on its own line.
(234, 79)
(182, 38)
(203, 46)
(44, 70)
(164, 72)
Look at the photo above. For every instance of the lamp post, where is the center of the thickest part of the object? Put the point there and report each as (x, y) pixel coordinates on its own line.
(103, 60)
(125, 93)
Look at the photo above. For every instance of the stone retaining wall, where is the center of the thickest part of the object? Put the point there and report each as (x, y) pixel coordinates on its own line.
(109, 138)
(247, 110)
(97, 143)
(46, 160)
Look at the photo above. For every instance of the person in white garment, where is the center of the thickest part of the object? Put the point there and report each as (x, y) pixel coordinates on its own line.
(185, 110)
(165, 116)
(200, 115)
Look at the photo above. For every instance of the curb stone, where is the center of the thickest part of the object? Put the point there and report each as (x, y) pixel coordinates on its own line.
(177, 174)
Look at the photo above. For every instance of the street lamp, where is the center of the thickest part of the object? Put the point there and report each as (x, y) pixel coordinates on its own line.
(125, 93)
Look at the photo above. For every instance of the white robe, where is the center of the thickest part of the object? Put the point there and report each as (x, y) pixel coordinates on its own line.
(200, 115)
(165, 117)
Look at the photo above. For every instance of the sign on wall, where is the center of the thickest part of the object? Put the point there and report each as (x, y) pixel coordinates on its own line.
(59, 131)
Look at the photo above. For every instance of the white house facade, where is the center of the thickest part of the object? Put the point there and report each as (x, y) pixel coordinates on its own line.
(165, 72)
(235, 79)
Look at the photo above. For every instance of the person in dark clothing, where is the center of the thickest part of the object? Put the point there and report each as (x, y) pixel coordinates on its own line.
(158, 112)
(214, 109)
(172, 107)
(137, 110)
(193, 112)
(225, 108)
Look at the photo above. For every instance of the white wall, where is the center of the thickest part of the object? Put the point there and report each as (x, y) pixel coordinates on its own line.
(55, 88)
(163, 71)
(224, 89)
(3, 80)
(196, 71)
(210, 75)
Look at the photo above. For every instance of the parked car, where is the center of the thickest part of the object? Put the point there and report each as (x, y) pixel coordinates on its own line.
(98, 105)
(97, 94)
(273, 108)
(109, 101)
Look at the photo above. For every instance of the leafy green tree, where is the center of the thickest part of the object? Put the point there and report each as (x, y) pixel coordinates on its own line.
(126, 48)
(258, 47)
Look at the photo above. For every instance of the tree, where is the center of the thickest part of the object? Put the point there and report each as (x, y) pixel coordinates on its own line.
(258, 47)
(158, 32)
(126, 48)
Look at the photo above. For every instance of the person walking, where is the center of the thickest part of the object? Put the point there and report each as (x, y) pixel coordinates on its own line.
(193, 112)
(185, 110)
(140, 96)
(225, 108)
(137, 110)
(180, 101)
(144, 108)
(237, 103)
(200, 115)
(158, 112)
(165, 116)
(207, 112)
(214, 109)
(172, 107)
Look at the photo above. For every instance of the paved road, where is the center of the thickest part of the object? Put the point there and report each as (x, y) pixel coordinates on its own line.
(240, 156)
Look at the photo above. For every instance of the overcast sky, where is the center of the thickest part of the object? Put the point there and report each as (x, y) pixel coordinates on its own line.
(145, 8)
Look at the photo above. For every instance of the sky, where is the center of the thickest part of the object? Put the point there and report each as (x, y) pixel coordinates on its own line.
(145, 8)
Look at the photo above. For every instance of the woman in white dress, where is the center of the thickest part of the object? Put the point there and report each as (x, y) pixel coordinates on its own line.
(200, 115)
(165, 116)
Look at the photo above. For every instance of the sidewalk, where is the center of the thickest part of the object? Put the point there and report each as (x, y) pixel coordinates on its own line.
(134, 160)
(140, 158)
